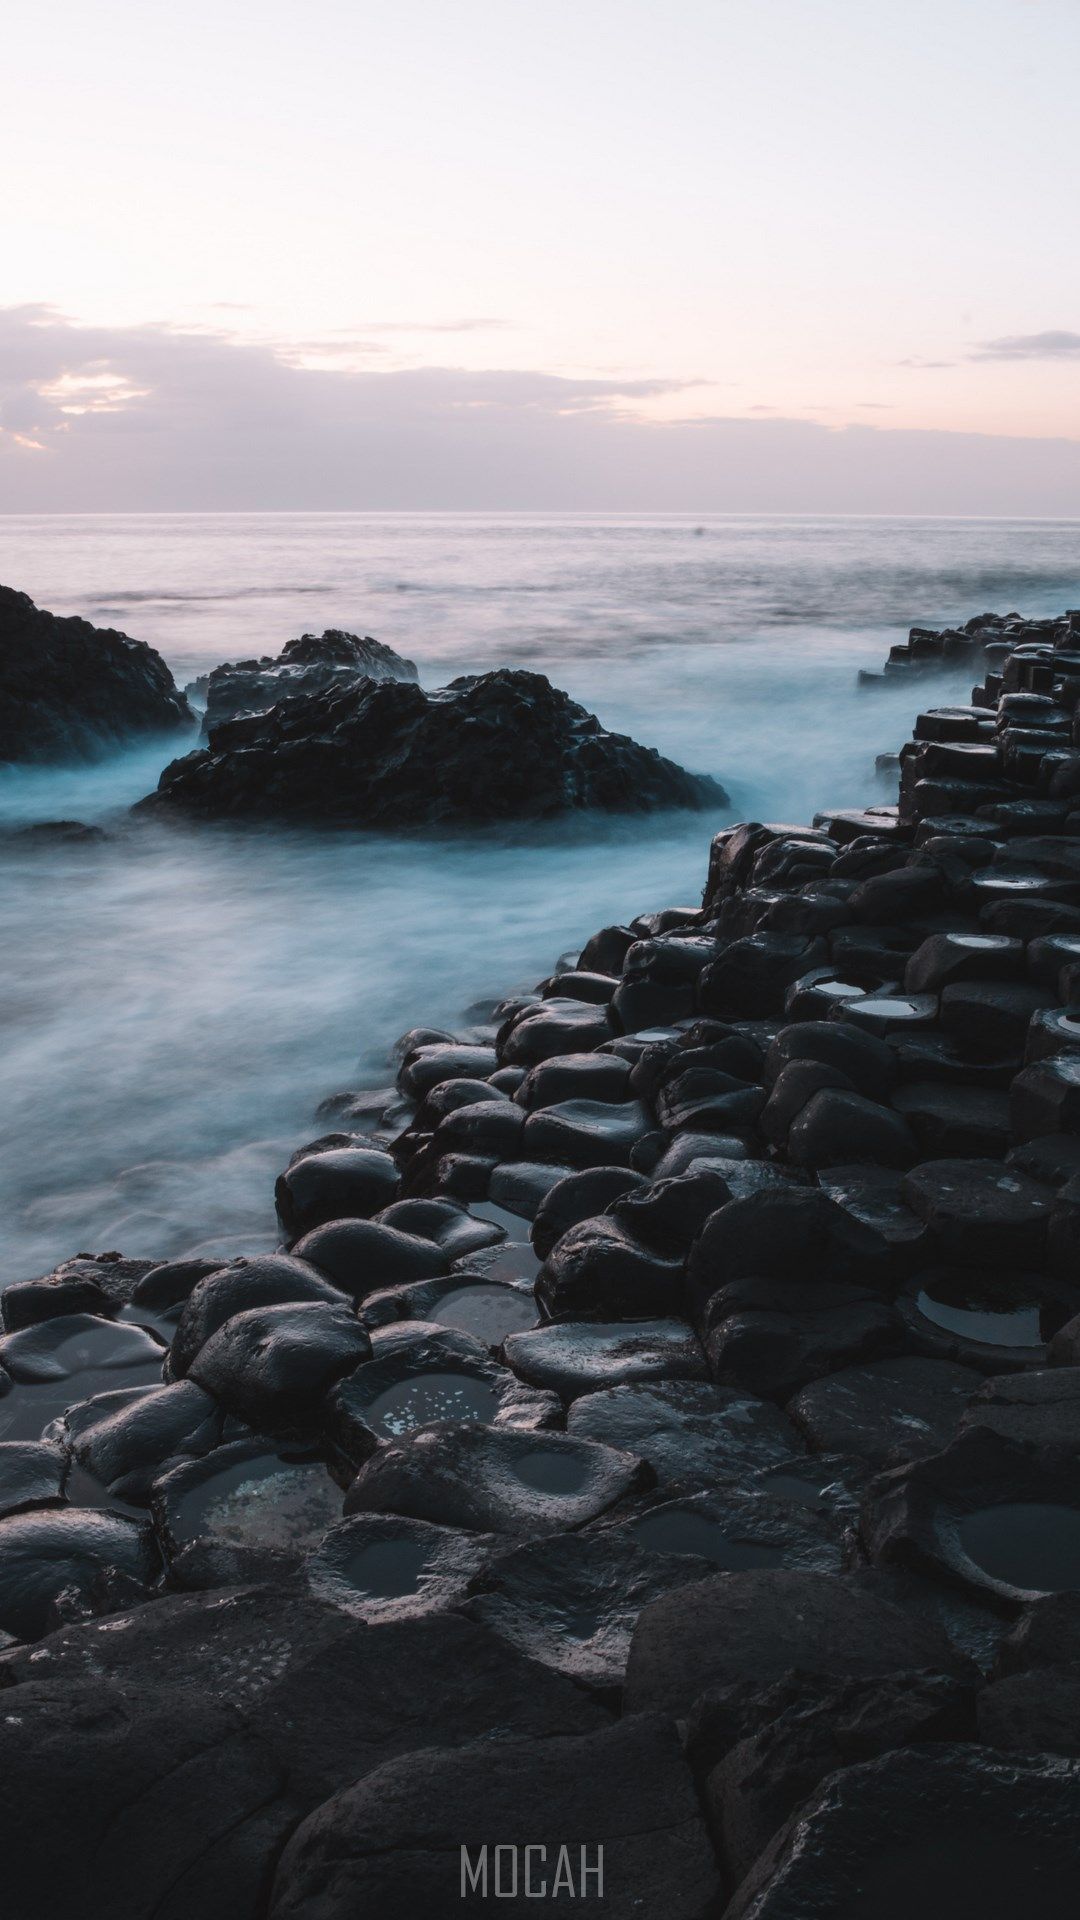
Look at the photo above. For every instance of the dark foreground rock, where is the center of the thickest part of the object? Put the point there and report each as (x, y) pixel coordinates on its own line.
(307, 665)
(499, 746)
(71, 691)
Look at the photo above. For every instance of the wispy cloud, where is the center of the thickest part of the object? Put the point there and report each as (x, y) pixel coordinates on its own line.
(1055, 344)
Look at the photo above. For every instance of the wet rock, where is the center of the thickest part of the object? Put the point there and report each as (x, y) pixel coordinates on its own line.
(269, 1281)
(170, 1283)
(274, 1366)
(867, 1063)
(992, 1015)
(392, 1844)
(71, 1358)
(689, 1431)
(570, 1602)
(807, 1728)
(995, 1832)
(347, 1183)
(771, 1337)
(873, 1196)
(1036, 1712)
(577, 1357)
(311, 664)
(63, 1563)
(1045, 1098)
(451, 1227)
(574, 1076)
(907, 1407)
(988, 1514)
(977, 1213)
(760, 1623)
(551, 1029)
(488, 1309)
(435, 1377)
(434, 1063)
(597, 1269)
(357, 1257)
(578, 1197)
(27, 1302)
(985, 1317)
(71, 691)
(495, 746)
(956, 1122)
(1047, 1634)
(785, 1232)
(734, 1528)
(123, 1439)
(948, 957)
(835, 1126)
(260, 1504)
(586, 1133)
(381, 1567)
(1039, 1409)
(750, 977)
(31, 1475)
(495, 1480)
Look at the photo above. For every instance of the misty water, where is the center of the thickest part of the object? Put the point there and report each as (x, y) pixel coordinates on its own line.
(176, 1002)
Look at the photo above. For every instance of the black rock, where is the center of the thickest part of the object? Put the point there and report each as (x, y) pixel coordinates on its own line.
(258, 1504)
(578, 1197)
(451, 1227)
(268, 1280)
(576, 1357)
(498, 746)
(786, 1232)
(758, 1624)
(495, 1479)
(600, 1271)
(934, 1831)
(274, 1366)
(393, 1844)
(1040, 1409)
(432, 1376)
(346, 1183)
(904, 1407)
(381, 1567)
(689, 1431)
(978, 1213)
(586, 1133)
(772, 1337)
(1037, 1712)
(360, 1256)
(311, 664)
(65, 1563)
(70, 691)
(123, 1439)
(31, 1475)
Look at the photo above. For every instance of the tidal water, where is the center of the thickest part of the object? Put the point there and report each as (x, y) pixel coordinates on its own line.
(175, 1003)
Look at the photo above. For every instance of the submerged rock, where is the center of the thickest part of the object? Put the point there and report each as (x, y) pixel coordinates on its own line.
(307, 665)
(71, 691)
(497, 746)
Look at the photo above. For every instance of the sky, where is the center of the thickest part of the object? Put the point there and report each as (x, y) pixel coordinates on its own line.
(798, 255)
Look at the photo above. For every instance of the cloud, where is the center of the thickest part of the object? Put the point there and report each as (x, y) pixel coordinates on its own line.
(163, 418)
(1055, 344)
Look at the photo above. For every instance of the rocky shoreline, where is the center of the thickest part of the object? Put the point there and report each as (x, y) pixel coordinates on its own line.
(658, 1431)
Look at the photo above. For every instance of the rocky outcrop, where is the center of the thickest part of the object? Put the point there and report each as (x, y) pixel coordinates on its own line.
(497, 746)
(70, 691)
(307, 665)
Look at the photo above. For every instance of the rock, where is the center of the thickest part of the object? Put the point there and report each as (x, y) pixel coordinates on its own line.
(488, 1309)
(948, 957)
(782, 1233)
(496, 746)
(734, 1528)
(907, 1407)
(360, 1256)
(71, 691)
(271, 1280)
(808, 1727)
(31, 1475)
(522, 1186)
(274, 1366)
(551, 1029)
(57, 1362)
(760, 1623)
(27, 1302)
(991, 1515)
(689, 1431)
(577, 1357)
(435, 1377)
(311, 664)
(380, 1567)
(570, 1601)
(167, 1285)
(956, 1122)
(1045, 1098)
(865, 1061)
(271, 1507)
(213, 1723)
(1040, 1409)
(574, 1076)
(123, 1439)
(598, 1269)
(392, 1844)
(771, 1337)
(453, 1228)
(1047, 1634)
(1036, 1712)
(347, 1183)
(66, 1563)
(1000, 1835)
(834, 1127)
(578, 1197)
(977, 1213)
(495, 1480)
(586, 1133)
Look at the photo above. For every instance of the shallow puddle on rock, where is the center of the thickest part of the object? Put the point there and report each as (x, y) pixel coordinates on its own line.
(92, 1362)
(985, 1312)
(269, 1502)
(488, 1312)
(550, 1470)
(429, 1397)
(386, 1569)
(510, 1260)
(808, 1489)
(1028, 1544)
(700, 1534)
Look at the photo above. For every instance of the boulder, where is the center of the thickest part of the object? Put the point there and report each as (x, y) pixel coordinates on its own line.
(307, 665)
(495, 746)
(273, 1366)
(71, 691)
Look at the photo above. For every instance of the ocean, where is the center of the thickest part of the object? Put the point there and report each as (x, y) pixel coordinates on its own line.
(175, 1004)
